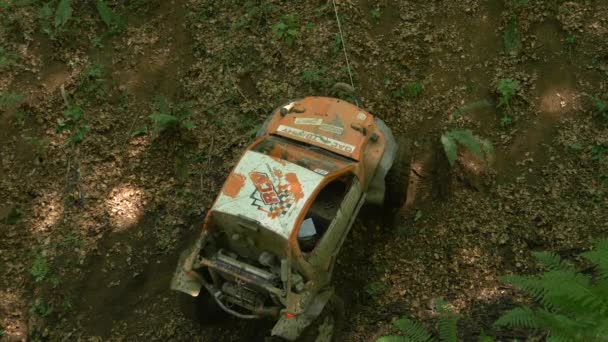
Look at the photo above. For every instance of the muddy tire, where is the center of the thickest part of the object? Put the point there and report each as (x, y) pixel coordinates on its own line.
(202, 309)
(329, 323)
(398, 177)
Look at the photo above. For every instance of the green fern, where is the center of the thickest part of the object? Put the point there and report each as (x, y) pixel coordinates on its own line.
(412, 331)
(171, 117)
(63, 14)
(478, 147)
(507, 89)
(574, 306)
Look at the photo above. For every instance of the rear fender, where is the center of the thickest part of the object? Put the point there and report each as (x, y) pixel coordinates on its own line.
(377, 188)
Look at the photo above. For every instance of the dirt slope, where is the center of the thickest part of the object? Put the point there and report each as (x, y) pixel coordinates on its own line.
(90, 231)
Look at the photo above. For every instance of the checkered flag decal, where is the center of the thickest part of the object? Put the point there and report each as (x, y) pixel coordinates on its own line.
(285, 202)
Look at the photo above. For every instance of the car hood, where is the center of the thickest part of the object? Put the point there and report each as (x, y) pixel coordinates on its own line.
(268, 190)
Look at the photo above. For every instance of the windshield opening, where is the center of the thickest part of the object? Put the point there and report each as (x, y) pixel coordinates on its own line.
(311, 157)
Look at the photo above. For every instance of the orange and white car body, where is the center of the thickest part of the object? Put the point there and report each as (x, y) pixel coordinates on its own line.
(309, 155)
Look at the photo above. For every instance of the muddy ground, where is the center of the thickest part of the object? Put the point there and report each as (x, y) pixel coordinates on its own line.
(95, 208)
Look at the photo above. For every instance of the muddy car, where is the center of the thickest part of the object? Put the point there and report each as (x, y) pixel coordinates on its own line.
(270, 241)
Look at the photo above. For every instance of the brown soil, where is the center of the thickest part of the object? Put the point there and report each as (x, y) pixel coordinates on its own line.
(90, 233)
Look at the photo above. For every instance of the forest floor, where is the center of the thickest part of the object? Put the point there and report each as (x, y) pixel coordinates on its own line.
(96, 205)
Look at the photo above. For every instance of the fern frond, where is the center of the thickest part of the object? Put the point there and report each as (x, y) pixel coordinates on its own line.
(466, 138)
(560, 327)
(391, 339)
(522, 317)
(529, 284)
(552, 261)
(413, 331)
(448, 320)
(450, 148)
(448, 329)
(575, 287)
(599, 258)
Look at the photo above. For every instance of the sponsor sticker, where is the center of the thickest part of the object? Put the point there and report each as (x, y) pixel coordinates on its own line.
(316, 138)
(361, 116)
(331, 129)
(308, 121)
(322, 172)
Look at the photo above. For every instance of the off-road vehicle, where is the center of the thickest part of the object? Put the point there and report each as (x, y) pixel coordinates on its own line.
(270, 241)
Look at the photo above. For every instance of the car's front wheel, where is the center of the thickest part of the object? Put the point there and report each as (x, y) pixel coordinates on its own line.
(398, 177)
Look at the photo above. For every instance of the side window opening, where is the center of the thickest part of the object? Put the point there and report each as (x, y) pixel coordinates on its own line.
(322, 212)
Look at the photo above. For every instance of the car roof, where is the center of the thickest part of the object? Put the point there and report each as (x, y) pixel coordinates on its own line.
(268, 190)
(328, 123)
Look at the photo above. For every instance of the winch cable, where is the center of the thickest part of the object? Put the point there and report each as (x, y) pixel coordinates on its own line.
(350, 74)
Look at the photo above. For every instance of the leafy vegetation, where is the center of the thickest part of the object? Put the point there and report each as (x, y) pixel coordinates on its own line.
(313, 77)
(10, 100)
(598, 152)
(7, 59)
(63, 13)
(411, 90)
(375, 289)
(574, 305)
(40, 308)
(507, 89)
(40, 268)
(113, 22)
(286, 30)
(72, 121)
(170, 117)
(601, 108)
(412, 331)
(337, 45)
(450, 140)
(512, 37)
(91, 82)
(13, 216)
(375, 13)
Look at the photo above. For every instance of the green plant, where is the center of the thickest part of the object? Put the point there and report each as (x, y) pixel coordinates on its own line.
(40, 268)
(63, 13)
(286, 30)
(512, 37)
(13, 216)
(375, 289)
(113, 21)
(337, 47)
(10, 100)
(506, 121)
(507, 89)
(411, 90)
(598, 152)
(91, 81)
(571, 41)
(170, 117)
(412, 331)
(313, 77)
(7, 59)
(41, 309)
(450, 140)
(375, 13)
(601, 108)
(72, 121)
(573, 305)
